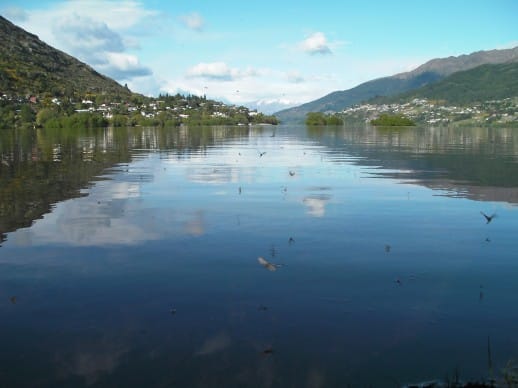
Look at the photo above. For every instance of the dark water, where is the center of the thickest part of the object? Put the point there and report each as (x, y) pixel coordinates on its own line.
(130, 256)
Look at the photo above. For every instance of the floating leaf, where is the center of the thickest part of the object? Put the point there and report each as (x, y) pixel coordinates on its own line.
(266, 264)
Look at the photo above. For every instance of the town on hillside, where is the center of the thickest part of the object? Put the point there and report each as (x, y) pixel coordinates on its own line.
(104, 110)
(424, 111)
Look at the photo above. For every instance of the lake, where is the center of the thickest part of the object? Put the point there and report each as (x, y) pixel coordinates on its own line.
(130, 257)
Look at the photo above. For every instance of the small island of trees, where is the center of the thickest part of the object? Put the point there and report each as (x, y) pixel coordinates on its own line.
(319, 118)
(392, 120)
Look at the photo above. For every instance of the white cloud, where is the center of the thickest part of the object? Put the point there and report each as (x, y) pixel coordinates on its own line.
(123, 66)
(271, 105)
(219, 71)
(87, 38)
(316, 43)
(118, 15)
(193, 21)
(294, 77)
(215, 70)
(94, 42)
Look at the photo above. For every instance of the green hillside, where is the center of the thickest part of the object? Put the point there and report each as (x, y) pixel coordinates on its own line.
(29, 66)
(483, 83)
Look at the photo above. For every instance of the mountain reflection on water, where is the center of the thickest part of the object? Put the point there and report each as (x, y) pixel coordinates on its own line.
(226, 256)
(477, 163)
(41, 168)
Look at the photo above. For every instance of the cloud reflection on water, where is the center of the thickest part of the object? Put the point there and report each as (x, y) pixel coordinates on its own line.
(196, 225)
(214, 344)
(316, 204)
(91, 361)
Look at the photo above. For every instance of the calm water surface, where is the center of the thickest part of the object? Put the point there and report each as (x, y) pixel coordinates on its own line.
(129, 257)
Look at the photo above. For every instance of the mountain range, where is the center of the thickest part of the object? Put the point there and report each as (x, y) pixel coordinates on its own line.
(429, 73)
(28, 66)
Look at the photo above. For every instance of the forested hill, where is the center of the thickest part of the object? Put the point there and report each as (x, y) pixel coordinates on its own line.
(426, 74)
(483, 83)
(29, 66)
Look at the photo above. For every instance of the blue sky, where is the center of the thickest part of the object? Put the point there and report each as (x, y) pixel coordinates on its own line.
(269, 54)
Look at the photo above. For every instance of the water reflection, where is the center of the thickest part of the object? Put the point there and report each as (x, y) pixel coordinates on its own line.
(214, 344)
(477, 163)
(41, 168)
(316, 204)
(196, 225)
(92, 360)
(182, 257)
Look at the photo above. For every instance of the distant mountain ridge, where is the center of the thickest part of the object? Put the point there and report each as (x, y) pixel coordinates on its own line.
(450, 65)
(482, 83)
(428, 73)
(30, 66)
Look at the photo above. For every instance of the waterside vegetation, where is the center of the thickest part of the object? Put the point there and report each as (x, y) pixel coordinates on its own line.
(392, 120)
(91, 110)
(319, 118)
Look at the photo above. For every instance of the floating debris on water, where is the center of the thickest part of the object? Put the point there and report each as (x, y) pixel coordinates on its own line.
(13, 299)
(266, 264)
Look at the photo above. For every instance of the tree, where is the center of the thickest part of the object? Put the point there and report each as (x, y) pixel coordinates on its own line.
(315, 118)
(319, 118)
(7, 115)
(27, 115)
(45, 115)
(334, 120)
